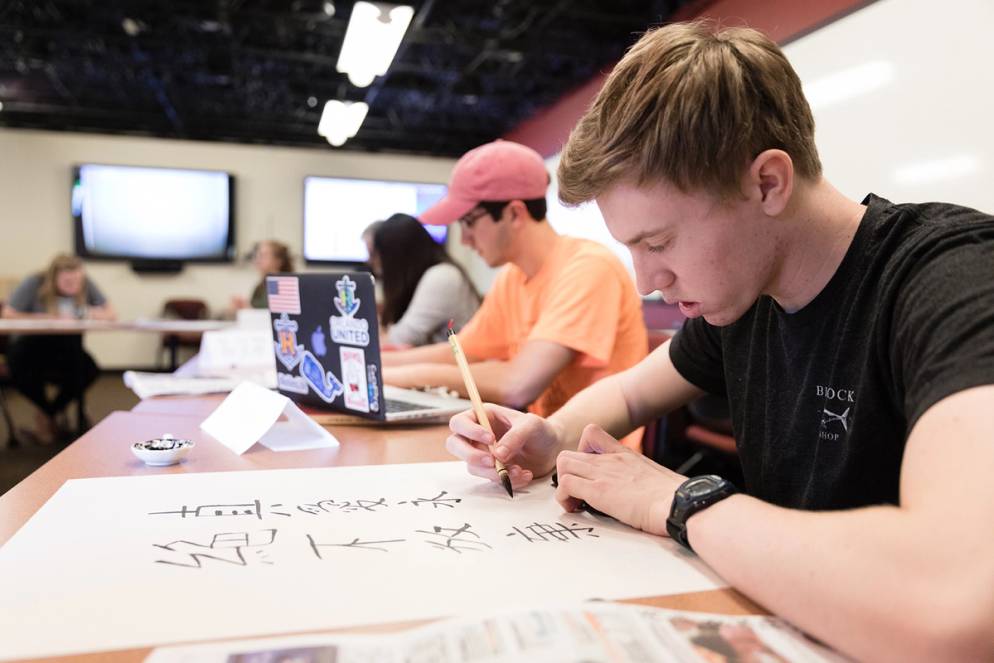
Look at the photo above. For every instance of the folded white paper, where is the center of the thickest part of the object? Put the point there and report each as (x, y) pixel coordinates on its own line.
(251, 413)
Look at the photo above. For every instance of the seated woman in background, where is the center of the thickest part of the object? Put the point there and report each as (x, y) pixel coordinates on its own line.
(61, 291)
(268, 257)
(422, 287)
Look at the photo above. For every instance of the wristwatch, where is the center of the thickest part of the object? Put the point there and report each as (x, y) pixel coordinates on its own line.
(695, 494)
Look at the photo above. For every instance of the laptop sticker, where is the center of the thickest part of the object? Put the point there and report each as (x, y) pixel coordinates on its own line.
(317, 342)
(294, 383)
(373, 387)
(324, 383)
(288, 351)
(354, 377)
(345, 328)
(283, 293)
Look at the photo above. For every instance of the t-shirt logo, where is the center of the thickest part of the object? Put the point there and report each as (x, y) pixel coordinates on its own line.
(835, 411)
(831, 416)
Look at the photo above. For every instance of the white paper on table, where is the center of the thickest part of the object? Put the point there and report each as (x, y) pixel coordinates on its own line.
(122, 562)
(234, 352)
(251, 413)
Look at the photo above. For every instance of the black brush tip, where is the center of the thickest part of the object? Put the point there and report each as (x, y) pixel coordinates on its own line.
(505, 480)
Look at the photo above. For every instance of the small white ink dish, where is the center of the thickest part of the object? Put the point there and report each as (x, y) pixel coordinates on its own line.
(160, 451)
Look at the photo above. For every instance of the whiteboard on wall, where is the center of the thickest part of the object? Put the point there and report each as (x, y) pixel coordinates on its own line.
(903, 99)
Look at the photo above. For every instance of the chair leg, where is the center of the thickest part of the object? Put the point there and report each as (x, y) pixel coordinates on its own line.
(12, 440)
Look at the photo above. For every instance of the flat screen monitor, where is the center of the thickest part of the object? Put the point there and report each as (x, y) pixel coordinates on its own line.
(153, 214)
(337, 210)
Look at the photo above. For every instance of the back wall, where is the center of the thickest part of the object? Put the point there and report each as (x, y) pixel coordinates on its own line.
(35, 221)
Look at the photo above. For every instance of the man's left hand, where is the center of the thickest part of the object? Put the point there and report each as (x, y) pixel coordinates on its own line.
(617, 481)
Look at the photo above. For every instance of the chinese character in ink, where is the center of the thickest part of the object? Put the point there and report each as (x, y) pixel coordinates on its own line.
(345, 506)
(435, 502)
(552, 532)
(455, 538)
(253, 508)
(355, 544)
(236, 548)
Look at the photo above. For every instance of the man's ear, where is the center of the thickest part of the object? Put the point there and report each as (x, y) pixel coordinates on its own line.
(769, 181)
(516, 211)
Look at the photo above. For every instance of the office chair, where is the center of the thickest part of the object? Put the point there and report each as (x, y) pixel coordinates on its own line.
(181, 309)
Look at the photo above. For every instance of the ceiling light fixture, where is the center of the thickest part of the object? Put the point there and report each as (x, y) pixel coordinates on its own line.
(372, 39)
(341, 120)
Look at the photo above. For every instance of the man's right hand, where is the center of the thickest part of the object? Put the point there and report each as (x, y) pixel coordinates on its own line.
(527, 444)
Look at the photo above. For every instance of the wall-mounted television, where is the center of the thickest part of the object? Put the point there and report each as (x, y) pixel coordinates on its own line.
(149, 215)
(337, 210)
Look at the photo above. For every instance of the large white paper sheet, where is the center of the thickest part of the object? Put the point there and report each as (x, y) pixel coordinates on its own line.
(133, 561)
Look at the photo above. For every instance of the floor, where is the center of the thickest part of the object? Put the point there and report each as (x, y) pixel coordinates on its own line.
(106, 395)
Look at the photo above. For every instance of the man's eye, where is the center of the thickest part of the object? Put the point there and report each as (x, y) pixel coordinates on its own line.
(656, 248)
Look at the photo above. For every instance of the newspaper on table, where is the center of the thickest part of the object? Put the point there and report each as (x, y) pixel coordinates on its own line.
(586, 633)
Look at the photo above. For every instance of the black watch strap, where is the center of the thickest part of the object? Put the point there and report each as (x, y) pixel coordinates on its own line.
(692, 496)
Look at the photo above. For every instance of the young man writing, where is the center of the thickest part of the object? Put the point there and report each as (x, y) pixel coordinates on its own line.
(854, 341)
(562, 313)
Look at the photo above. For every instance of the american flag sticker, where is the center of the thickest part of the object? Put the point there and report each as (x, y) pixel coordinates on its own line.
(284, 294)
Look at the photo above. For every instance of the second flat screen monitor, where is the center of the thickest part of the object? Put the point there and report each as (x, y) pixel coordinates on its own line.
(337, 210)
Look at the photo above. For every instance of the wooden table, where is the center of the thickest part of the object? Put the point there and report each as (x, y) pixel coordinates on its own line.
(50, 326)
(104, 451)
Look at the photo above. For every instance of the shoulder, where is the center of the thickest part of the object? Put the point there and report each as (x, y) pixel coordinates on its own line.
(441, 273)
(935, 241)
(585, 251)
(29, 286)
(33, 281)
(584, 259)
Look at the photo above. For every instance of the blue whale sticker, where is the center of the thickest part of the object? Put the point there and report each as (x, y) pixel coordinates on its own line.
(324, 383)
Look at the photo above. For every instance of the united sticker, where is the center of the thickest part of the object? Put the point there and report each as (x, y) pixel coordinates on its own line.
(345, 328)
(354, 377)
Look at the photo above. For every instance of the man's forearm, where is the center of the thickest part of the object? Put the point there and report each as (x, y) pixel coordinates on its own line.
(876, 582)
(436, 353)
(491, 378)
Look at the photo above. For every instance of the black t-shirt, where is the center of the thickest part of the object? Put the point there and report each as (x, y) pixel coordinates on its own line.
(822, 400)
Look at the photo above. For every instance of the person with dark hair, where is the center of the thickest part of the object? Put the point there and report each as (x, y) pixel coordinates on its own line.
(61, 291)
(422, 288)
(853, 340)
(268, 257)
(562, 312)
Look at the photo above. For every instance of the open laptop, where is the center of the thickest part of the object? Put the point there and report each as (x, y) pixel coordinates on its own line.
(326, 340)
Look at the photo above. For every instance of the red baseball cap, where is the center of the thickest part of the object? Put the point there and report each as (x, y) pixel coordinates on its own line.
(497, 171)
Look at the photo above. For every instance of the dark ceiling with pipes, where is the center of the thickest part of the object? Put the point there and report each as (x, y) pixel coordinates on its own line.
(259, 71)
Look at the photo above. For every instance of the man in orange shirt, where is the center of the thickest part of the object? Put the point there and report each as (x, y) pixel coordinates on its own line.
(563, 312)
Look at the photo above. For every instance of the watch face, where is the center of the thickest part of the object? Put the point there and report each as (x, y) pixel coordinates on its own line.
(700, 486)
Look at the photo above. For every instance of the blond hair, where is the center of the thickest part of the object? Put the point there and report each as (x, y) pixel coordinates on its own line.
(693, 105)
(48, 291)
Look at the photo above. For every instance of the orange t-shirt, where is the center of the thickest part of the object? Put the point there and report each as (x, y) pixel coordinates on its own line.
(583, 299)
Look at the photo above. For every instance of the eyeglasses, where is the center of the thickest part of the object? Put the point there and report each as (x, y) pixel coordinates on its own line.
(472, 217)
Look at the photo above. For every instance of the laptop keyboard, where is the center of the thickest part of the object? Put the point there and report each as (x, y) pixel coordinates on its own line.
(394, 405)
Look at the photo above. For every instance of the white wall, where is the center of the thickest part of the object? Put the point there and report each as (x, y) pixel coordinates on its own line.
(903, 100)
(35, 222)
